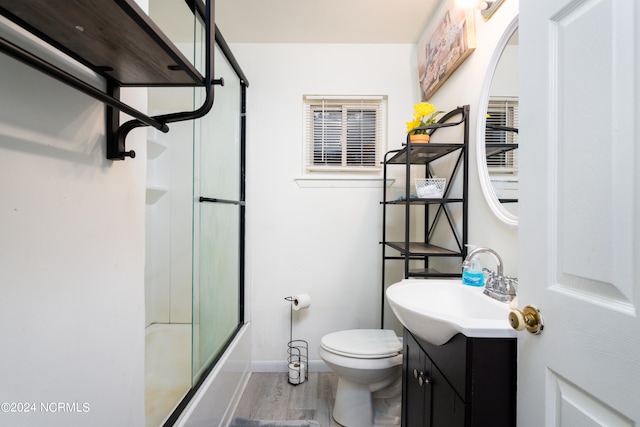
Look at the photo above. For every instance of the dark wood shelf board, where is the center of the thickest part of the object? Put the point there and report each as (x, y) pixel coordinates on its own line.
(417, 201)
(114, 38)
(421, 154)
(420, 249)
(495, 149)
(430, 272)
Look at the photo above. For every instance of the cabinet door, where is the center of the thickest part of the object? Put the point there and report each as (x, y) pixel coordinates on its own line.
(417, 385)
(447, 410)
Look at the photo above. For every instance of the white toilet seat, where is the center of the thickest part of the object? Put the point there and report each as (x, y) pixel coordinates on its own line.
(363, 343)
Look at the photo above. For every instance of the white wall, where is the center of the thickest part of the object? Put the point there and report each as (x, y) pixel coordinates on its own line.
(464, 87)
(325, 241)
(505, 80)
(322, 240)
(72, 242)
(71, 257)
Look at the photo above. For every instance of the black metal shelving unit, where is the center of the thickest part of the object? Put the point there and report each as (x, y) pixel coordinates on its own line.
(494, 149)
(498, 149)
(117, 40)
(437, 212)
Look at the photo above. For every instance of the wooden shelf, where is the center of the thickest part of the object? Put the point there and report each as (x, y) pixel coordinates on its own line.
(422, 154)
(422, 249)
(495, 149)
(431, 273)
(118, 41)
(418, 201)
(114, 38)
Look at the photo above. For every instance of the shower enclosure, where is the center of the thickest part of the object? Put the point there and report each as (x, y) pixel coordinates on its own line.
(194, 224)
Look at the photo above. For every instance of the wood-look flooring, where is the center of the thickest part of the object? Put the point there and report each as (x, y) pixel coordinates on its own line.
(269, 396)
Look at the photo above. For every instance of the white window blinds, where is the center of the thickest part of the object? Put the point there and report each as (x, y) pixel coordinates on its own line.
(343, 134)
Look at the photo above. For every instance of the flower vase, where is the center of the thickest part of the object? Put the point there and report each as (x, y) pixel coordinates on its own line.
(421, 138)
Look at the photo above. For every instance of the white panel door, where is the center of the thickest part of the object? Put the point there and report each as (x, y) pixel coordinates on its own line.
(579, 229)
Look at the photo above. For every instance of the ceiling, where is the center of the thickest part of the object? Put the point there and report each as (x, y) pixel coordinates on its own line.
(323, 21)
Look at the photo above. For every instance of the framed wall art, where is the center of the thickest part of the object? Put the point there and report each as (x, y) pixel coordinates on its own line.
(446, 43)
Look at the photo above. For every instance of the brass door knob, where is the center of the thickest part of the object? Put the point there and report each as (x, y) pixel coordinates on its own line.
(529, 318)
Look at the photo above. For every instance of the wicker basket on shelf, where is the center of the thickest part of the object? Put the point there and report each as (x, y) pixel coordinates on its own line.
(430, 188)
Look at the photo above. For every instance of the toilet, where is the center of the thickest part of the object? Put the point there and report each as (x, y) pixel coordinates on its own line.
(368, 363)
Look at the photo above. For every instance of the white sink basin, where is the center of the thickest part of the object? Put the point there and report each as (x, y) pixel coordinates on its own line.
(436, 310)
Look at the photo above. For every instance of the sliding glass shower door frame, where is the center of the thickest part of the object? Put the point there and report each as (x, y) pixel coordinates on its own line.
(220, 202)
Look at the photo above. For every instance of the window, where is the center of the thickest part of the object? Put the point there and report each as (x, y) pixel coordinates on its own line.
(344, 134)
(503, 113)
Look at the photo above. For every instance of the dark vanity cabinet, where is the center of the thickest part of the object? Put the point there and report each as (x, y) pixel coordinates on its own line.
(468, 382)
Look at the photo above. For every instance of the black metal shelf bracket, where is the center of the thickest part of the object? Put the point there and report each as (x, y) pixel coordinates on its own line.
(116, 133)
(116, 149)
(52, 71)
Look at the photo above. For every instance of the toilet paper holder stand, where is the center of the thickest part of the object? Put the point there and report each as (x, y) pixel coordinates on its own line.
(297, 354)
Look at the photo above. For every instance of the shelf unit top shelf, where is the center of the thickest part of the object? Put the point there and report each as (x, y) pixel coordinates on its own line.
(422, 154)
(114, 38)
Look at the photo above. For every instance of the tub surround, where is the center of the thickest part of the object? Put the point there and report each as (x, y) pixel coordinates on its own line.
(167, 369)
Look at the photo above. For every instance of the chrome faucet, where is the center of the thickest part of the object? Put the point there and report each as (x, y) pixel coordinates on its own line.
(496, 286)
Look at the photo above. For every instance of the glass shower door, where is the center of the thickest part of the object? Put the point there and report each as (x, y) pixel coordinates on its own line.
(194, 225)
(218, 222)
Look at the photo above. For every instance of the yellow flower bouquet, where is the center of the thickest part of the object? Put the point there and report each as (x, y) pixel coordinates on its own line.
(425, 115)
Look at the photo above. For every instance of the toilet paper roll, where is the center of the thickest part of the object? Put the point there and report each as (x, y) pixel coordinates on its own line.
(297, 372)
(301, 301)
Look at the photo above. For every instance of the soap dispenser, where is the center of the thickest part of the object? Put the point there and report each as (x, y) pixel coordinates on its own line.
(472, 273)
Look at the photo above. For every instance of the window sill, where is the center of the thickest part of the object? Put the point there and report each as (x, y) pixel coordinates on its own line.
(342, 182)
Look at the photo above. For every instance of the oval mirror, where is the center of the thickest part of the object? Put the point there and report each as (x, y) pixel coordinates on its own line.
(497, 134)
